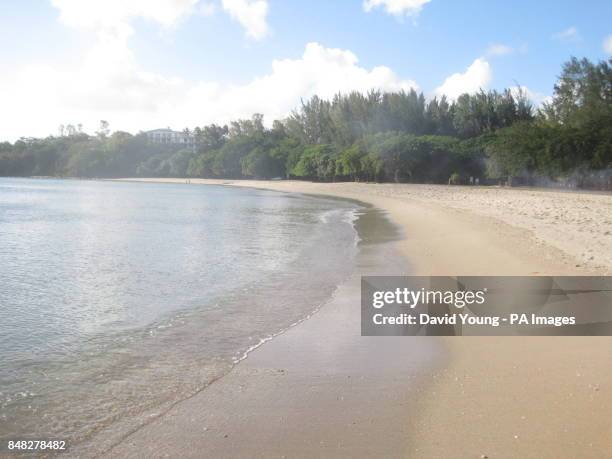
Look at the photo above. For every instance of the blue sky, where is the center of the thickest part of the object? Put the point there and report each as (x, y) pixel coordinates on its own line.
(144, 64)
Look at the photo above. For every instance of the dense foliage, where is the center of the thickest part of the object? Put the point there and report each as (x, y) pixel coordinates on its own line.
(377, 136)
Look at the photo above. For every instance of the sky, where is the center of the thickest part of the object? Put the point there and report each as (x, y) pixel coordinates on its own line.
(146, 64)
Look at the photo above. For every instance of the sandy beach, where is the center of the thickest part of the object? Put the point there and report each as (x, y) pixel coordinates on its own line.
(309, 393)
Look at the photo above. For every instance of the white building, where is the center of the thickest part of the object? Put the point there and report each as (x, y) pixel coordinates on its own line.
(170, 137)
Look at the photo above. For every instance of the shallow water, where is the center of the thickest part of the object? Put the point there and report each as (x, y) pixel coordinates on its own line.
(119, 299)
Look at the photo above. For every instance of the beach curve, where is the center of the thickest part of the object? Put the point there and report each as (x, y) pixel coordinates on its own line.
(497, 397)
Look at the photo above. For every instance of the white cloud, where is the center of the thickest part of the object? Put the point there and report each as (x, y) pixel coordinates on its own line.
(498, 49)
(397, 8)
(114, 16)
(208, 9)
(568, 35)
(537, 98)
(321, 71)
(108, 84)
(477, 76)
(607, 45)
(251, 14)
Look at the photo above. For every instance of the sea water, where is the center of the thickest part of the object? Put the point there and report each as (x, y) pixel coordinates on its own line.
(117, 300)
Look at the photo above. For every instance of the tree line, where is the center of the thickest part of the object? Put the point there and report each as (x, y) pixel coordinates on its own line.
(397, 137)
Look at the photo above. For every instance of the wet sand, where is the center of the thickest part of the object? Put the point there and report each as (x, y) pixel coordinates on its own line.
(494, 397)
(319, 389)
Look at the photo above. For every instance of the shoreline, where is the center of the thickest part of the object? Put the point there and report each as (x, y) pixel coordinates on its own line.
(497, 397)
(514, 223)
(288, 364)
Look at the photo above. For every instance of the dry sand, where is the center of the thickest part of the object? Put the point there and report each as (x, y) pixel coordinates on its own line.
(494, 397)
